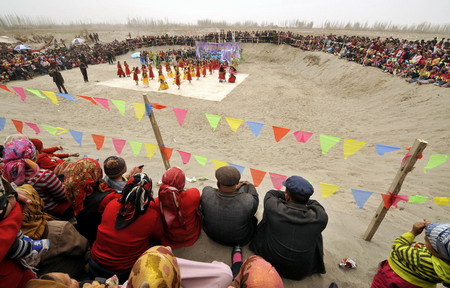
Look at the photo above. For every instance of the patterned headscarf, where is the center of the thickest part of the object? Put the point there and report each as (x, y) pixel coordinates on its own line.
(15, 137)
(257, 273)
(80, 181)
(157, 267)
(439, 236)
(17, 156)
(173, 182)
(136, 196)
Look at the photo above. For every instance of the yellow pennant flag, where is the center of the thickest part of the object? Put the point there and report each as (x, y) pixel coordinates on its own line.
(234, 123)
(441, 200)
(150, 149)
(352, 146)
(63, 130)
(219, 164)
(328, 189)
(51, 96)
(139, 110)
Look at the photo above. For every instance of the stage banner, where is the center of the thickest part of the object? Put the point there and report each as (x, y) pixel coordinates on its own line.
(223, 51)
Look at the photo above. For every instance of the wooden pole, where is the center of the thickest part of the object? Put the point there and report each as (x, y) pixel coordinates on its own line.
(416, 151)
(157, 134)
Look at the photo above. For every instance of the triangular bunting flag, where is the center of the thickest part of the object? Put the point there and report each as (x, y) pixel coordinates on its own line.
(34, 126)
(103, 101)
(417, 199)
(234, 123)
(150, 149)
(277, 180)
(119, 144)
(180, 114)
(148, 109)
(67, 96)
(213, 120)
(50, 129)
(185, 156)
(51, 96)
(255, 127)
(135, 147)
(328, 189)
(20, 92)
(239, 167)
(327, 142)
(361, 197)
(218, 164)
(139, 110)
(381, 149)
(201, 160)
(167, 152)
(279, 132)
(98, 140)
(90, 99)
(2, 123)
(120, 105)
(387, 200)
(434, 161)
(441, 200)
(63, 130)
(302, 136)
(352, 146)
(257, 176)
(6, 89)
(158, 106)
(78, 136)
(19, 125)
(36, 92)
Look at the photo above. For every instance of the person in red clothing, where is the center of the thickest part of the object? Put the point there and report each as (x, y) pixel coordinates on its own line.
(48, 160)
(129, 227)
(127, 68)
(179, 210)
(120, 70)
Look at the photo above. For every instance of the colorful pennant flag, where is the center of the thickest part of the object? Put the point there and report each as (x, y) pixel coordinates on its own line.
(36, 92)
(90, 99)
(327, 142)
(63, 130)
(21, 92)
(118, 144)
(255, 127)
(381, 149)
(185, 156)
(328, 189)
(67, 96)
(2, 123)
(6, 88)
(257, 176)
(167, 152)
(361, 197)
(234, 123)
(201, 160)
(135, 147)
(148, 109)
(103, 101)
(19, 125)
(51, 96)
(441, 200)
(50, 129)
(35, 127)
(238, 167)
(150, 149)
(139, 110)
(158, 106)
(277, 180)
(180, 114)
(78, 136)
(417, 199)
(392, 199)
(352, 146)
(435, 160)
(218, 164)
(98, 140)
(302, 136)
(279, 132)
(213, 120)
(120, 105)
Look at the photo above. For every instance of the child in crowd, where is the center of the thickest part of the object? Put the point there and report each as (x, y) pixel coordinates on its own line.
(115, 168)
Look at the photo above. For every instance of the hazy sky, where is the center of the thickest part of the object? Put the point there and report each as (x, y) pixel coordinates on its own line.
(189, 11)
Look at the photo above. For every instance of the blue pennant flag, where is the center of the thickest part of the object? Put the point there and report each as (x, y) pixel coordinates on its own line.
(78, 136)
(67, 96)
(2, 123)
(239, 167)
(255, 127)
(381, 149)
(361, 197)
(148, 109)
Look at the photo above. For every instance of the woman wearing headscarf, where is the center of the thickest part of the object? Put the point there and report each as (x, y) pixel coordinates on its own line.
(89, 195)
(179, 210)
(257, 273)
(19, 157)
(129, 227)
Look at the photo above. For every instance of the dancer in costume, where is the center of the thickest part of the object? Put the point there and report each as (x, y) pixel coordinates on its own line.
(204, 69)
(222, 74)
(233, 73)
(170, 73)
(127, 68)
(145, 79)
(177, 78)
(135, 75)
(120, 70)
(197, 71)
(150, 71)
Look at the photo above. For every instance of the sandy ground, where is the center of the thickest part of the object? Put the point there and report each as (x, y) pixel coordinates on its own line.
(288, 88)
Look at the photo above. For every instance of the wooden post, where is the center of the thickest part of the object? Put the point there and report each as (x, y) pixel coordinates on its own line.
(416, 151)
(158, 137)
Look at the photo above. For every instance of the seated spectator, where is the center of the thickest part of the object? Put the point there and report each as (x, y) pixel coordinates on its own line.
(289, 235)
(179, 210)
(89, 195)
(48, 160)
(257, 273)
(412, 264)
(228, 211)
(115, 168)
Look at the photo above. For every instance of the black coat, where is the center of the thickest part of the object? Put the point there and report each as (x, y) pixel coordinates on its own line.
(57, 77)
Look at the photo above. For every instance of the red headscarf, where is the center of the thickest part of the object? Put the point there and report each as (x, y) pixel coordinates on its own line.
(173, 182)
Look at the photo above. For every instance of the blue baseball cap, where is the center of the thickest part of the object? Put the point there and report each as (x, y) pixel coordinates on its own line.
(299, 186)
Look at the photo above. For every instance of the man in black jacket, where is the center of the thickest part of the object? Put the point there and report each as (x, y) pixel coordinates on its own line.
(58, 79)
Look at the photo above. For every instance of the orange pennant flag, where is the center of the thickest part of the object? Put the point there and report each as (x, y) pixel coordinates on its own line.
(98, 140)
(88, 98)
(257, 176)
(6, 88)
(19, 125)
(280, 132)
(167, 152)
(158, 106)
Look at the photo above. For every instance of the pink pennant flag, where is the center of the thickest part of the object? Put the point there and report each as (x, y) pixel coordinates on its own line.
(302, 136)
(180, 114)
(277, 180)
(185, 156)
(104, 102)
(34, 126)
(21, 92)
(118, 144)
